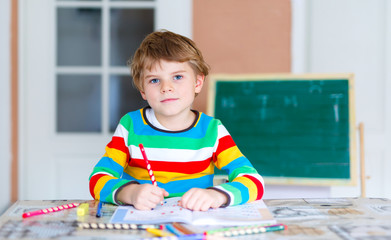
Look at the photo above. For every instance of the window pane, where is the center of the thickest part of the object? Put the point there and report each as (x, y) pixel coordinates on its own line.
(79, 103)
(128, 27)
(123, 98)
(79, 37)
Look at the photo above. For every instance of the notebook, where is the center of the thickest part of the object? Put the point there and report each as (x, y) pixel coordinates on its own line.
(246, 214)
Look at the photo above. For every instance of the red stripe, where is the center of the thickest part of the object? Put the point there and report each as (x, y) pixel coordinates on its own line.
(224, 143)
(179, 167)
(258, 184)
(93, 181)
(119, 144)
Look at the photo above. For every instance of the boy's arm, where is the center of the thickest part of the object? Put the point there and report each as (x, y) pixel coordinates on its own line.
(105, 179)
(245, 184)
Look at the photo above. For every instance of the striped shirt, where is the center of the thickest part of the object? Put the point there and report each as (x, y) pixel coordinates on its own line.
(180, 160)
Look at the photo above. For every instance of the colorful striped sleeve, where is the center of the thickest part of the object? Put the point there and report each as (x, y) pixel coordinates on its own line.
(244, 182)
(105, 178)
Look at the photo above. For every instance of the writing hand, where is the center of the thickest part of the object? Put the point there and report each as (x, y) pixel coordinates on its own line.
(142, 196)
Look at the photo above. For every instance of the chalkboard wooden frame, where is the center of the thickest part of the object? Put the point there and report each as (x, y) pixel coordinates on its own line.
(283, 178)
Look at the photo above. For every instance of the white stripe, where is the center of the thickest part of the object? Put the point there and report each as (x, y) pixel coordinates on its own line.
(113, 196)
(222, 131)
(173, 155)
(122, 132)
(231, 196)
(105, 173)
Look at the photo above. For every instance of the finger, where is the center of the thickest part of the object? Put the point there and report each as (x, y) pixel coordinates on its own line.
(186, 199)
(145, 205)
(201, 205)
(206, 206)
(165, 193)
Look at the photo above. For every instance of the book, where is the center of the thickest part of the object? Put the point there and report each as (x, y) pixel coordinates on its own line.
(246, 214)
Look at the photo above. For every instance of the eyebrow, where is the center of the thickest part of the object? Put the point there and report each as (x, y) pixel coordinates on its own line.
(173, 73)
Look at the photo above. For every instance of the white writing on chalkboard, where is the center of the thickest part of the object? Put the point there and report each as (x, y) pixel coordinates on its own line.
(336, 97)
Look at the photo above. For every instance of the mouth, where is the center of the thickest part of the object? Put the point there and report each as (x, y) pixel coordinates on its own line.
(167, 100)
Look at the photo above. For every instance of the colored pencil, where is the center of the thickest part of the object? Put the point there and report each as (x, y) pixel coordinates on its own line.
(150, 172)
(117, 226)
(182, 228)
(50, 210)
(173, 230)
(159, 233)
(246, 230)
(197, 236)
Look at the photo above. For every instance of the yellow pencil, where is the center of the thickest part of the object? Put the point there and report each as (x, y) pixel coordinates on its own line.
(159, 233)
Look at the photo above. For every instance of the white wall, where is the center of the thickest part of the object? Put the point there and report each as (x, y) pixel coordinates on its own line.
(5, 148)
(334, 36)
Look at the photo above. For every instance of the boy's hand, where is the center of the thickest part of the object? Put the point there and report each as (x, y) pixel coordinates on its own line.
(198, 199)
(142, 196)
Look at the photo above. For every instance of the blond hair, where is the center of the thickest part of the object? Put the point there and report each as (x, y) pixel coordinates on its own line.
(168, 46)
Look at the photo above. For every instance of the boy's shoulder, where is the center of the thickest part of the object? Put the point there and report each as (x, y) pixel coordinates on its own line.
(128, 118)
(209, 119)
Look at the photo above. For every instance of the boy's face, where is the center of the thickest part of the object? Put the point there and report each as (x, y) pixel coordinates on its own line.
(170, 88)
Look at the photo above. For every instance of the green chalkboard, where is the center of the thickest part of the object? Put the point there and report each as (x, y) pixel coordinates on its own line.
(295, 129)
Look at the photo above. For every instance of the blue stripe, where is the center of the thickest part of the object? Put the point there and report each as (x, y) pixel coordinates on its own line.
(241, 189)
(237, 163)
(178, 186)
(111, 166)
(181, 186)
(108, 189)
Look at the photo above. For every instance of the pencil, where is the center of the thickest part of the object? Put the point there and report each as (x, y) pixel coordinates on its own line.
(50, 210)
(246, 230)
(117, 226)
(196, 236)
(182, 228)
(151, 175)
(159, 233)
(173, 230)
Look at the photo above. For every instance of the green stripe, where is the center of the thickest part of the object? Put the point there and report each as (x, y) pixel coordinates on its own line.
(126, 122)
(174, 141)
(239, 170)
(180, 194)
(234, 191)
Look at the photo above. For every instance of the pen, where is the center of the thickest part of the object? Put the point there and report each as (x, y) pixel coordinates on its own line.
(50, 210)
(151, 175)
(99, 210)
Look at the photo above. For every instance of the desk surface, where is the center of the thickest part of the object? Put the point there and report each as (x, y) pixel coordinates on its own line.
(334, 218)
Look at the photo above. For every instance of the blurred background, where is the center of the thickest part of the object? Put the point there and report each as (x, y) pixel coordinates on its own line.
(64, 82)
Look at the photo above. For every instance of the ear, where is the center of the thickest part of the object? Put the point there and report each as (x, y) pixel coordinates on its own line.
(200, 79)
(143, 95)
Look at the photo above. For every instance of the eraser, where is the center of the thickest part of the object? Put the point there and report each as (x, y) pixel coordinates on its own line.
(82, 209)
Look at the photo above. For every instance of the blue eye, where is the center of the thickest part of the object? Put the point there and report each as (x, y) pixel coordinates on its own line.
(154, 80)
(178, 77)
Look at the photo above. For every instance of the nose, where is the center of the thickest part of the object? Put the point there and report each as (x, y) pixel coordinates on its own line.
(166, 86)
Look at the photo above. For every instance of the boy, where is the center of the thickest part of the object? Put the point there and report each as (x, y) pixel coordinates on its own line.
(183, 145)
